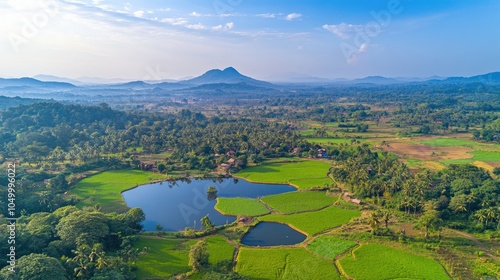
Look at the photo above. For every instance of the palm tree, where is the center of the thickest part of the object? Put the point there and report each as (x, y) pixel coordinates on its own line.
(481, 216)
(490, 214)
(82, 261)
(373, 221)
(44, 198)
(386, 216)
(97, 256)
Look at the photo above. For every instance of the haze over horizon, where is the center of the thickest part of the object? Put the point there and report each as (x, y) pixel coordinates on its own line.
(268, 40)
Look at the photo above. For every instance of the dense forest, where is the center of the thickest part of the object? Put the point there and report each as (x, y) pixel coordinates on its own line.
(57, 142)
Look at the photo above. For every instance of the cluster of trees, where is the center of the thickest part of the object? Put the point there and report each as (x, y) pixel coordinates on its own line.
(70, 243)
(491, 132)
(432, 107)
(51, 133)
(464, 196)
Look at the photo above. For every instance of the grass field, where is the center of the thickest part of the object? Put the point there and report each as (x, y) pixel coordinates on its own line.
(457, 161)
(105, 188)
(375, 261)
(218, 249)
(284, 173)
(330, 246)
(283, 263)
(486, 156)
(450, 142)
(294, 202)
(315, 222)
(165, 257)
(308, 183)
(240, 206)
(481, 151)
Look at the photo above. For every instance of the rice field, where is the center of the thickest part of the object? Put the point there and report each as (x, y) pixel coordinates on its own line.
(218, 249)
(166, 257)
(487, 156)
(284, 173)
(375, 261)
(313, 223)
(240, 206)
(283, 263)
(294, 202)
(329, 246)
(105, 188)
(308, 183)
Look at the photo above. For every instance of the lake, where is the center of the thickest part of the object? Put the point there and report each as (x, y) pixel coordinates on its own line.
(180, 204)
(272, 234)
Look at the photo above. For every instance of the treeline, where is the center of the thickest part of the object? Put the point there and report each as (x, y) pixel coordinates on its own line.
(47, 133)
(424, 108)
(463, 196)
(70, 243)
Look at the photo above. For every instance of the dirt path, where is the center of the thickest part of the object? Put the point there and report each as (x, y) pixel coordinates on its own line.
(236, 251)
(478, 243)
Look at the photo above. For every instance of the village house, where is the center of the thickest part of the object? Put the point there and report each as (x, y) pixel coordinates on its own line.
(322, 153)
(148, 166)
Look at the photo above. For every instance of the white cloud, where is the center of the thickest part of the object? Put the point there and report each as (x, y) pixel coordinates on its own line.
(217, 28)
(267, 15)
(175, 21)
(197, 26)
(227, 26)
(343, 30)
(139, 14)
(195, 14)
(293, 16)
(363, 48)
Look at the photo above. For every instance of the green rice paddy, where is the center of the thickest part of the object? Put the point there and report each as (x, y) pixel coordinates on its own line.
(293, 202)
(240, 206)
(313, 223)
(375, 261)
(286, 173)
(105, 188)
(329, 246)
(283, 263)
(166, 257)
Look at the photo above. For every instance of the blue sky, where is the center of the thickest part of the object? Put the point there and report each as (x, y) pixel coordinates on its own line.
(266, 39)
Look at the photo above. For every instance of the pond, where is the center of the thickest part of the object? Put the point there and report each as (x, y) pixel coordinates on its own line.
(180, 204)
(272, 234)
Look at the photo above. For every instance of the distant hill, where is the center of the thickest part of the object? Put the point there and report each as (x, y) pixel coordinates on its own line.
(51, 78)
(378, 80)
(226, 76)
(489, 78)
(6, 102)
(33, 83)
(130, 85)
(236, 87)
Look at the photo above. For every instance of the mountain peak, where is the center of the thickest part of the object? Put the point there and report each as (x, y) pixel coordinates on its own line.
(227, 76)
(230, 70)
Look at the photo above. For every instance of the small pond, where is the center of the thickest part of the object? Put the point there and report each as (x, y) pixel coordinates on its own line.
(272, 234)
(180, 204)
